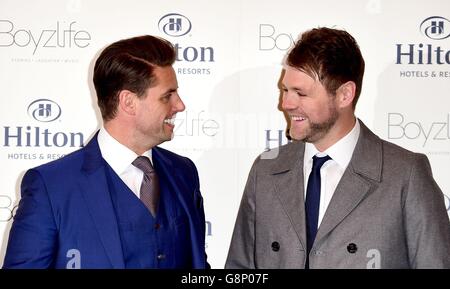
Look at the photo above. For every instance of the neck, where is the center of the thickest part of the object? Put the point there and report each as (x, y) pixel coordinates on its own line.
(126, 135)
(341, 128)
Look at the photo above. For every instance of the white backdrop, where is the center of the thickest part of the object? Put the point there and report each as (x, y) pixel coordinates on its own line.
(230, 55)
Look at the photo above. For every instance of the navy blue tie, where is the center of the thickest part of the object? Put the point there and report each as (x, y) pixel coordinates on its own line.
(312, 203)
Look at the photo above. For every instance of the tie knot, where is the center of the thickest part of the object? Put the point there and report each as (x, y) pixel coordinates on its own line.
(144, 164)
(319, 161)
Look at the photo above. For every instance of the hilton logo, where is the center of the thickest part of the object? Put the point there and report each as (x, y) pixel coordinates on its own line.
(174, 24)
(44, 110)
(434, 27)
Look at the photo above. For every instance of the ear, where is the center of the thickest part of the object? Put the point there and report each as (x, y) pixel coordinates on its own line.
(127, 102)
(346, 94)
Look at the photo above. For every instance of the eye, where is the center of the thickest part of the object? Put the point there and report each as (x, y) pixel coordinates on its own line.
(165, 98)
(299, 93)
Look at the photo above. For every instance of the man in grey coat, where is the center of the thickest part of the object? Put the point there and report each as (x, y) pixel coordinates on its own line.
(337, 196)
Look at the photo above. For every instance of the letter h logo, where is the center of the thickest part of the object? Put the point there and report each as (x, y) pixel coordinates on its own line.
(437, 27)
(174, 24)
(45, 110)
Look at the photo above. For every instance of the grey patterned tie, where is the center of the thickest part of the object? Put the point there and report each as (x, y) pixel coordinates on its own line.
(149, 193)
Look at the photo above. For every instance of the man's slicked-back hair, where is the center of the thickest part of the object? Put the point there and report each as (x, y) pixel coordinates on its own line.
(129, 64)
(330, 55)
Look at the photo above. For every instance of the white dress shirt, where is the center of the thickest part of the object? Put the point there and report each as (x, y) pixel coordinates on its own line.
(119, 157)
(331, 172)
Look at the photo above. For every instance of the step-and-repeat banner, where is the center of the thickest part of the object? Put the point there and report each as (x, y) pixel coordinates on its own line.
(228, 66)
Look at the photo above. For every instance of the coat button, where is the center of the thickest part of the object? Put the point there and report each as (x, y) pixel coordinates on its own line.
(352, 248)
(275, 246)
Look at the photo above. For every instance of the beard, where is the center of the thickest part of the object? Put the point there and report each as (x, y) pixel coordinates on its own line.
(317, 130)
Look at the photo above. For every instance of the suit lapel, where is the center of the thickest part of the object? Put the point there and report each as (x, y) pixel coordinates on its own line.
(184, 192)
(96, 194)
(167, 170)
(288, 175)
(351, 190)
(360, 177)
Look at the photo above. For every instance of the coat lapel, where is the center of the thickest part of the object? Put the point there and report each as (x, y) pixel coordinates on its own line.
(96, 194)
(288, 175)
(360, 178)
(185, 193)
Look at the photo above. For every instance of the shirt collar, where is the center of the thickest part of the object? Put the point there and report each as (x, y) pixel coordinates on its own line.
(341, 152)
(118, 156)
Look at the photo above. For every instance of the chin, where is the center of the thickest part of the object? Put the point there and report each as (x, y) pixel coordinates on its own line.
(168, 136)
(297, 136)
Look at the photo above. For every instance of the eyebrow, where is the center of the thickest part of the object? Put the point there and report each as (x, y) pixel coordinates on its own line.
(294, 88)
(170, 90)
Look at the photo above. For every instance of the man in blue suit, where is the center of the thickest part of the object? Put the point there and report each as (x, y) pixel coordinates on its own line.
(87, 210)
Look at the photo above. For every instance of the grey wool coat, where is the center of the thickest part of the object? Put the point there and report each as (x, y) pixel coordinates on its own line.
(386, 212)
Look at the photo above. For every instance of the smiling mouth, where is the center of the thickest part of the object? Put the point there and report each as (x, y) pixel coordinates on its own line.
(297, 118)
(170, 121)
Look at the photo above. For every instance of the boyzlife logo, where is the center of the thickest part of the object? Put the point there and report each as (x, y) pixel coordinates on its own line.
(435, 27)
(272, 39)
(174, 24)
(7, 208)
(44, 110)
(433, 133)
(178, 25)
(59, 35)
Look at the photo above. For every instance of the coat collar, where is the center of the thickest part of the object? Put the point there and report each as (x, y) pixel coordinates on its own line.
(366, 160)
(362, 172)
(95, 191)
(94, 187)
(287, 170)
(359, 179)
(180, 176)
(92, 156)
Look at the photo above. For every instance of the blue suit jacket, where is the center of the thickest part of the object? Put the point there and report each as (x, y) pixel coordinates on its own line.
(66, 205)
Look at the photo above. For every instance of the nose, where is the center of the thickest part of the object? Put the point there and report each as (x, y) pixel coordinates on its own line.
(288, 101)
(179, 104)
